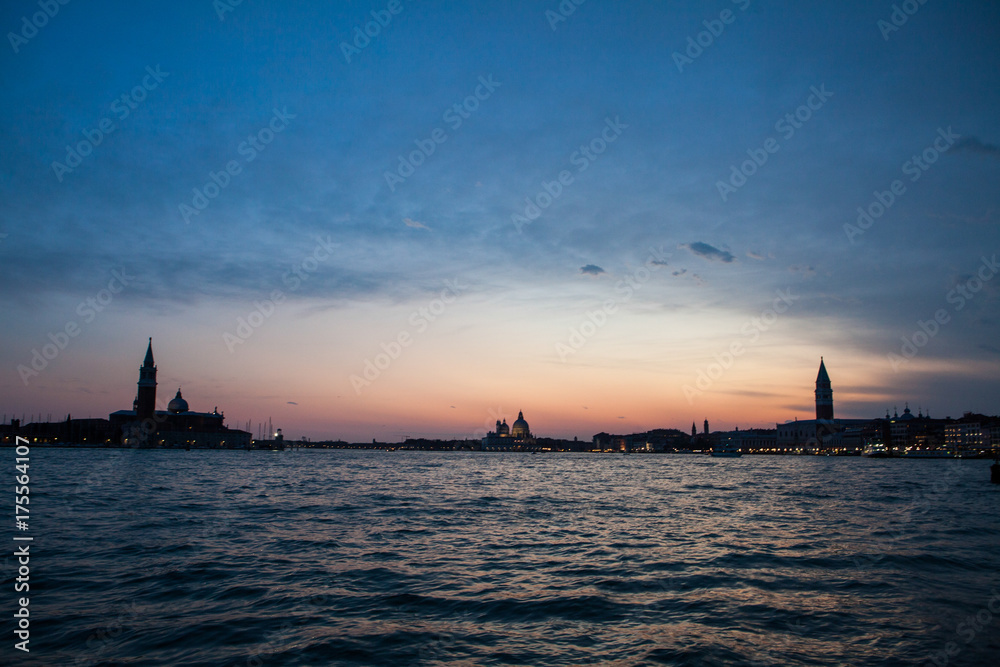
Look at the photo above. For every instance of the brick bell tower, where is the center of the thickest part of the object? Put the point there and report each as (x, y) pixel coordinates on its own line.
(824, 394)
(146, 398)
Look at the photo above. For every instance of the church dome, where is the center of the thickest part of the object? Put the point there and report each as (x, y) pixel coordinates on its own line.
(520, 428)
(503, 429)
(177, 404)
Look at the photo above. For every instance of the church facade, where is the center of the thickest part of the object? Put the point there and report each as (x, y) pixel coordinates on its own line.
(176, 427)
(506, 438)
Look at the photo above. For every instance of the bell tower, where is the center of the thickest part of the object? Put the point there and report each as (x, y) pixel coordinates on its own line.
(145, 402)
(824, 394)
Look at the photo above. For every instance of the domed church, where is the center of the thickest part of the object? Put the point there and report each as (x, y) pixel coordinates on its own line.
(177, 426)
(515, 437)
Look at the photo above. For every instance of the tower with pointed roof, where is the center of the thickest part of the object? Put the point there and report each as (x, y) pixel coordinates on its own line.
(145, 403)
(824, 394)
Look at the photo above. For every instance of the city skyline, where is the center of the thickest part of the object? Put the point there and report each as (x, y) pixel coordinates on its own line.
(377, 234)
(146, 405)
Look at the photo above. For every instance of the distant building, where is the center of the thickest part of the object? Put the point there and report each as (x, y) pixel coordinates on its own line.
(657, 440)
(748, 441)
(87, 432)
(515, 437)
(972, 435)
(177, 426)
(825, 433)
(916, 433)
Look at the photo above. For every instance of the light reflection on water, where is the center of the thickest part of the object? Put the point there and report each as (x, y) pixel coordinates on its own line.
(356, 557)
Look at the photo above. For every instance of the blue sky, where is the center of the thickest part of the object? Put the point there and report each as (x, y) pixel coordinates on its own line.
(385, 252)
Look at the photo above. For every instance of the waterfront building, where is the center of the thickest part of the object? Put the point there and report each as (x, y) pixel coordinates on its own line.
(825, 433)
(747, 441)
(972, 435)
(176, 427)
(517, 436)
(86, 432)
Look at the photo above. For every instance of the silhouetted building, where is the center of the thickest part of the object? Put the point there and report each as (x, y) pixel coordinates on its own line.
(516, 436)
(68, 432)
(972, 435)
(825, 433)
(177, 426)
(747, 441)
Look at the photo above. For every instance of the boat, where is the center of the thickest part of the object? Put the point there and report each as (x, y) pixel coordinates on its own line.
(876, 451)
(928, 454)
(728, 450)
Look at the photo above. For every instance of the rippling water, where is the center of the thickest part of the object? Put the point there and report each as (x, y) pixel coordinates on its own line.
(396, 558)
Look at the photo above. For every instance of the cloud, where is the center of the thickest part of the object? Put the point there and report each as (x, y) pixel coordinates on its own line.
(974, 145)
(978, 220)
(592, 269)
(413, 223)
(680, 272)
(709, 252)
(292, 403)
(755, 255)
(806, 271)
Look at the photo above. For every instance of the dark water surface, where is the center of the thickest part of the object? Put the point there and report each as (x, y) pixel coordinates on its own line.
(401, 558)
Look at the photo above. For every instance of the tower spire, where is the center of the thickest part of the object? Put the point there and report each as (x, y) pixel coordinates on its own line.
(148, 361)
(824, 393)
(145, 401)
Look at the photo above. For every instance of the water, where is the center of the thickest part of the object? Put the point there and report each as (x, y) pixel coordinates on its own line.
(405, 558)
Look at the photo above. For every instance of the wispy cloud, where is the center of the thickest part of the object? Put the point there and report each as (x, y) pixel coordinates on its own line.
(806, 271)
(409, 222)
(591, 269)
(975, 145)
(709, 252)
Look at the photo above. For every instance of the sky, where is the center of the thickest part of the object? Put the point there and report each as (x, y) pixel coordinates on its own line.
(389, 219)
